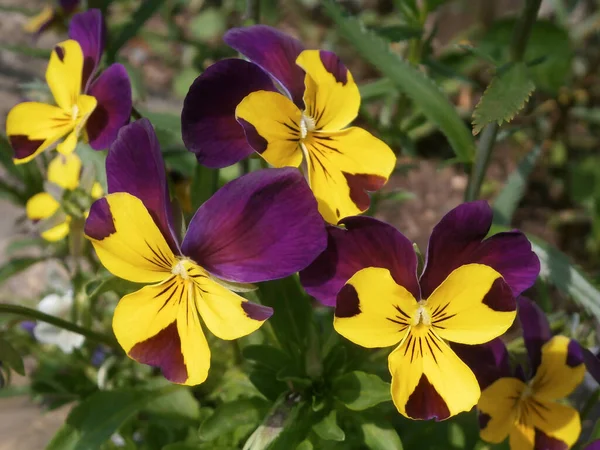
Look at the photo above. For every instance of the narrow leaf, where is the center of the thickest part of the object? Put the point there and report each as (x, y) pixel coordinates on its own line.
(360, 390)
(407, 79)
(506, 95)
(10, 357)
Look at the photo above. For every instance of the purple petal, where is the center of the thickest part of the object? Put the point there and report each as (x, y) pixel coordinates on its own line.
(89, 30)
(262, 226)
(536, 330)
(112, 90)
(458, 239)
(275, 52)
(592, 363)
(544, 442)
(135, 165)
(488, 362)
(68, 6)
(593, 445)
(365, 242)
(208, 122)
(100, 223)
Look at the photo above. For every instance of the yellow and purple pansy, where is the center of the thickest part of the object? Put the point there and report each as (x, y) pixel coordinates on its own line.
(466, 294)
(95, 107)
(51, 15)
(64, 176)
(259, 227)
(526, 408)
(292, 106)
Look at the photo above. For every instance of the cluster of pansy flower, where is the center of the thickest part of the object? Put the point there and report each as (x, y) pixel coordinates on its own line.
(293, 106)
(52, 14)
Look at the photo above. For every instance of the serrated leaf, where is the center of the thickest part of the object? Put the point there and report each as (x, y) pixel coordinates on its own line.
(506, 95)
(10, 357)
(328, 429)
(407, 79)
(360, 390)
(507, 201)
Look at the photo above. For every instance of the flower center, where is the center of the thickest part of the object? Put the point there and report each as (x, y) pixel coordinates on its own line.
(74, 112)
(422, 315)
(179, 269)
(307, 124)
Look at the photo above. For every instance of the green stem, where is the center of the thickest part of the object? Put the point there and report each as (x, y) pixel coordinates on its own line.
(52, 320)
(485, 148)
(252, 15)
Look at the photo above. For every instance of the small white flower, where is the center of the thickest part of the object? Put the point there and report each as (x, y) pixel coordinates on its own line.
(59, 306)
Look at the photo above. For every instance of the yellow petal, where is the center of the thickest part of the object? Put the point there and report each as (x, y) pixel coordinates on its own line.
(428, 379)
(331, 95)
(35, 24)
(343, 167)
(33, 127)
(556, 421)
(522, 437)
(226, 314)
(64, 171)
(85, 106)
(41, 206)
(472, 306)
(57, 232)
(132, 247)
(272, 125)
(555, 377)
(64, 74)
(372, 310)
(97, 191)
(159, 325)
(498, 405)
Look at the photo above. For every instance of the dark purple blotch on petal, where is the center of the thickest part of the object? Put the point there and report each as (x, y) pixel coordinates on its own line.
(135, 165)
(275, 52)
(208, 123)
(23, 146)
(163, 351)
(458, 239)
(360, 184)
(364, 242)
(536, 330)
(256, 141)
(574, 354)
(89, 30)
(100, 223)
(60, 52)
(262, 226)
(426, 403)
(544, 442)
(257, 312)
(592, 364)
(334, 66)
(348, 303)
(500, 297)
(489, 362)
(112, 90)
(483, 420)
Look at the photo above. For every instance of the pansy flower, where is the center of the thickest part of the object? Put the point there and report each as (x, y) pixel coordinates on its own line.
(293, 107)
(51, 15)
(522, 407)
(95, 107)
(259, 227)
(466, 294)
(64, 188)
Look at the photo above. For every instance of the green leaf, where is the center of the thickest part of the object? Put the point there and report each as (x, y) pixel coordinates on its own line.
(98, 417)
(203, 185)
(27, 50)
(504, 97)
(380, 436)
(179, 404)
(507, 201)
(96, 159)
(360, 390)
(420, 89)
(267, 356)
(16, 265)
(139, 17)
(375, 89)
(110, 284)
(397, 33)
(10, 357)
(242, 413)
(328, 429)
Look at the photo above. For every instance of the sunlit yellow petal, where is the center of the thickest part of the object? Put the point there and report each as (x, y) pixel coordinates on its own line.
(372, 310)
(331, 95)
(556, 421)
(499, 408)
(428, 379)
(41, 206)
(97, 190)
(522, 437)
(33, 127)
(57, 232)
(64, 74)
(35, 24)
(557, 376)
(131, 247)
(85, 106)
(65, 171)
(272, 125)
(343, 167)
(472, 306)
